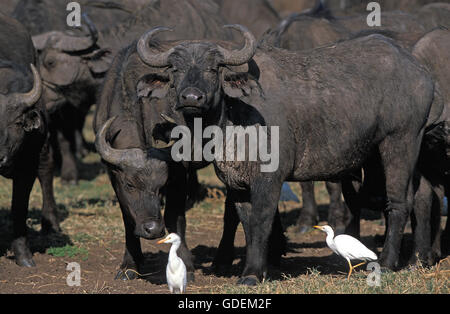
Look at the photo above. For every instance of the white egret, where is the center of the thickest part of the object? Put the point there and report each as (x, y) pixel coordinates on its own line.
(348, 247)
(176, 273)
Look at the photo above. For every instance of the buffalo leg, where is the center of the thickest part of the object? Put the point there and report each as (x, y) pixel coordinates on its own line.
(225, 253)
(69, 171)
(426, 222)
(445, 239)
(399, 162)
(133, 257)
(257, 217)
(309, 213)
(49, 221)
(174, 213)
(436, 230)
(81, 147)
(22, 185)
(350, 189)
(420, 222)
(277, 241)
(337, 211)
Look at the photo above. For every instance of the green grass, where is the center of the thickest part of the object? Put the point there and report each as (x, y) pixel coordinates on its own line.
(68, 251)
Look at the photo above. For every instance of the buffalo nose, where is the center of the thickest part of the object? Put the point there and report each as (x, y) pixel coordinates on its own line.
(192, 97)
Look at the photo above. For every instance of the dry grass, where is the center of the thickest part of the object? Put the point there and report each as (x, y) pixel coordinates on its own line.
(91, 220)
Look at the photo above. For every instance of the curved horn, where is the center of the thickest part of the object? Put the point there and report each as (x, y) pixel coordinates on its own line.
(131, 157)
(93, 32)
(31, 98)
(65, 42)
(158, 60)
(245, 54)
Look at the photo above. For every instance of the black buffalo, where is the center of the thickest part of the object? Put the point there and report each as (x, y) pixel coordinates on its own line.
(73, 62)
(140, 126)
(299, 32)
(24, 151)
(333, 107)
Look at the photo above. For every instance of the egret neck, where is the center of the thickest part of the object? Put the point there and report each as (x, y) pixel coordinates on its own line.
(330, 240)
(173, 257)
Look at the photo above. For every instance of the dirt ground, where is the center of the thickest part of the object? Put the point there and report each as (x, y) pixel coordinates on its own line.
(98, 270)
(93, 236)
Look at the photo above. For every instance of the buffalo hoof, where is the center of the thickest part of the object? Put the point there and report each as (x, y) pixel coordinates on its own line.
(248, 281)
(22, 253)
(70, 182)
(49, 226)
(126, 274)
(190, 276)
(385, 270)
(387, 264)
(426, 259)
(25, 262)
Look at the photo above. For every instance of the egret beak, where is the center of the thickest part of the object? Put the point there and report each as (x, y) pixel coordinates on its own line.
(162, 241)
(317, 227)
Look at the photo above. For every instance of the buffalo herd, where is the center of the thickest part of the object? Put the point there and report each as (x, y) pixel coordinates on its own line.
(364, 108)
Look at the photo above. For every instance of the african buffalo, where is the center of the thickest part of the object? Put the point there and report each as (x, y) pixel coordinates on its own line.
(431, 179)
(302, 32)
(333, 107)
(72, 69)
(305, 31)
(353, 7)
(435, 15)
(139, 125)
(257, 15)
(73, 63)
(433, 51)
(24, 151)
(71, 66)
(129, 126)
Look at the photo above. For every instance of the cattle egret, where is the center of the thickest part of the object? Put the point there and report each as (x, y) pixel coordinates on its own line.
(176, 273)
(348, 247)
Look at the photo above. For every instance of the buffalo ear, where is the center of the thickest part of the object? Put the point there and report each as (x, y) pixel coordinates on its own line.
(32, 121)
(99, 61)
(153, 85)
(98, 66)
(238, 84)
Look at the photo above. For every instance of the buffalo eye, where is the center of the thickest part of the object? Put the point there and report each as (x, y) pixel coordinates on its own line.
(129, 186)
(50, 63)
(19, 122)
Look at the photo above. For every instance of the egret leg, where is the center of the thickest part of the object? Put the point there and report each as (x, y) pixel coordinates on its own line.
(351, 269)
(359, 264)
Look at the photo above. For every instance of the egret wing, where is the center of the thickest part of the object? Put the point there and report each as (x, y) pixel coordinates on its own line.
(176, 274)
(352, 248)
